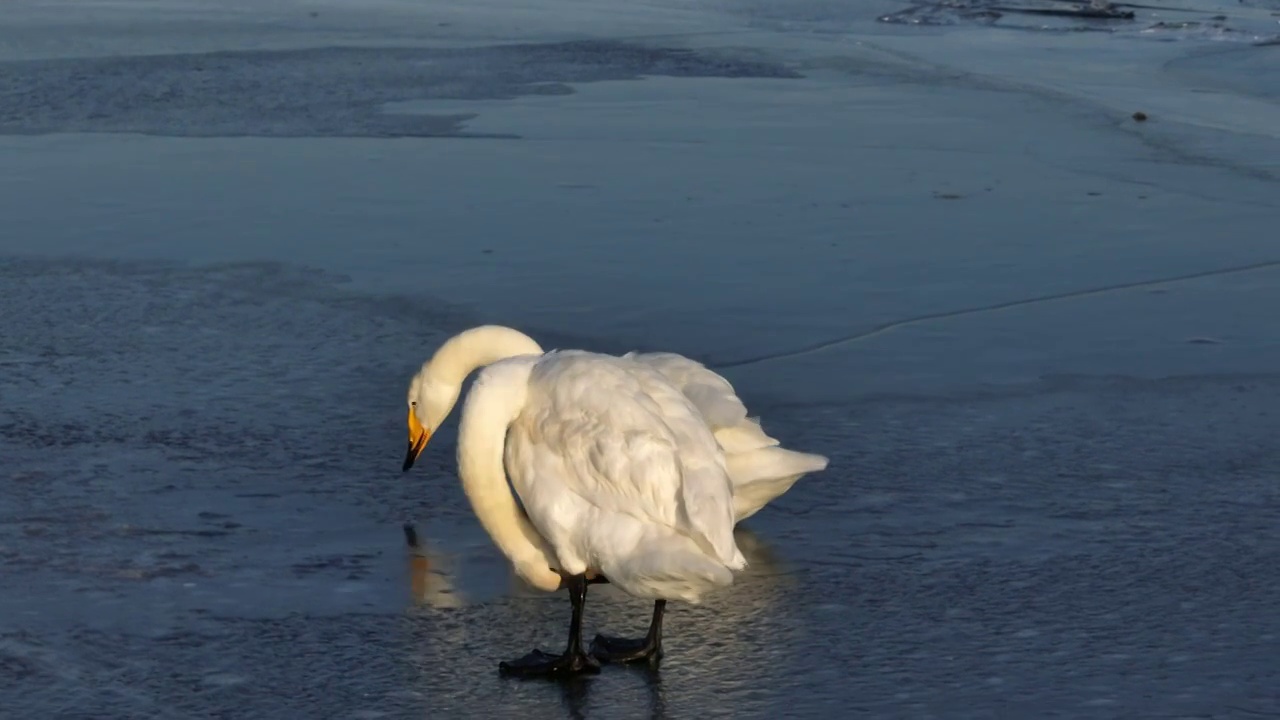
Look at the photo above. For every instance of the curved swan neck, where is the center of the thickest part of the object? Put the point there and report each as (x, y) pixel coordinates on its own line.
(494, 401)
(478, 347)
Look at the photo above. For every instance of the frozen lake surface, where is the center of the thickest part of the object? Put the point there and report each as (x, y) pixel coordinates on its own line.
(1036, 337)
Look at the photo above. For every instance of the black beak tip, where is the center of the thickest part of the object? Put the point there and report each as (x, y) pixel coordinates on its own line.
(409, 457)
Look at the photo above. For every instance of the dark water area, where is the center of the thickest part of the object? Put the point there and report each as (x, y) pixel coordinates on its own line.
(332, 92)
(1034, 336)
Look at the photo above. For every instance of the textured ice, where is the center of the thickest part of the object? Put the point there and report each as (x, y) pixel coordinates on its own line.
(1036, 338)
(203, 512)
(322, 92)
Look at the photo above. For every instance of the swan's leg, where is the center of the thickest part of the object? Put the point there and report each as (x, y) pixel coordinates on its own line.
(574, 661)
(622, 650)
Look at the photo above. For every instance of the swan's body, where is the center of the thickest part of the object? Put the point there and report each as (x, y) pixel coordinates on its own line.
(635, 467)
(614, 466)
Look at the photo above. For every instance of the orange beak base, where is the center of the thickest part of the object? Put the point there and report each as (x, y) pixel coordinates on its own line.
(418, 437)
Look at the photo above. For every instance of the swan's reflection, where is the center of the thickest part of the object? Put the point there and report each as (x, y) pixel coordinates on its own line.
(657, 698)
(430, 582)
(574, 692)
(731, 644)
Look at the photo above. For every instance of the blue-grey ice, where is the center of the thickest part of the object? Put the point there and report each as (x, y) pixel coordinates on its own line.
(1035, 335)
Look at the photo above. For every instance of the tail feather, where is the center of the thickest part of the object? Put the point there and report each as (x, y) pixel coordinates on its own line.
(771, 462)
(761, 476)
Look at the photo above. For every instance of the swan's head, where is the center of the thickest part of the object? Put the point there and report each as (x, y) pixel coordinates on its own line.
(435, 389)
(430, 402)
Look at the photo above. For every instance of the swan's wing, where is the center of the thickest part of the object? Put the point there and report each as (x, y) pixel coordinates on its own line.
(761, 470)
(618, 435)
(714, 397)
(708, 391)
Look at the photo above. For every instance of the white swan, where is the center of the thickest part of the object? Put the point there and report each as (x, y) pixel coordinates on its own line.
(631, 470)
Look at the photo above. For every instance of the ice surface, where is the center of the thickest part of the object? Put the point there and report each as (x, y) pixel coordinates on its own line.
(1036, 337)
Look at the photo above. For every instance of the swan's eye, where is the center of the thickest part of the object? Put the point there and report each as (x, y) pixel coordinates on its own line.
(413, 404)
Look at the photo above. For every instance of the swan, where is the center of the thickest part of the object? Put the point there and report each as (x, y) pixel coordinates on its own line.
(631, 470)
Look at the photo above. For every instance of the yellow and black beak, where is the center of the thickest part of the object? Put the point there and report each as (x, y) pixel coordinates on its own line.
(418, 437)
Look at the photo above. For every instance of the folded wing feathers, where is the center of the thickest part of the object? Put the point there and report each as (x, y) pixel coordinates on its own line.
(637, 446)
(714, 398)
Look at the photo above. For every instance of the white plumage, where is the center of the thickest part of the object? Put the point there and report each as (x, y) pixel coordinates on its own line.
(634, 467)
(758, 466)
(620, 474)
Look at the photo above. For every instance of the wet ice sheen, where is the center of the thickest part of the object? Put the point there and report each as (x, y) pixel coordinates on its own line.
(1066, 504)
(251, 549)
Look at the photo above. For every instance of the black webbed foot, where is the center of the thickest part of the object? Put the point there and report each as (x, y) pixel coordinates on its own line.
(625, 650)
(621, 650)
(544, 664)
